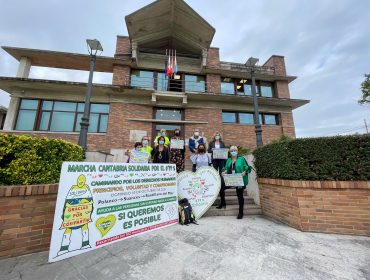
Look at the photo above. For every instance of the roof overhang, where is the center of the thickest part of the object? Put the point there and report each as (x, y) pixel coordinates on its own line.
(169, 24)
(65, 60)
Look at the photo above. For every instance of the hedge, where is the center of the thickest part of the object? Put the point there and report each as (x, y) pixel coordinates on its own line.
(28, 160)
(329, 158)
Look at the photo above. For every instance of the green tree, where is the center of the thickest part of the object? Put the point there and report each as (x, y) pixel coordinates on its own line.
(365, 88)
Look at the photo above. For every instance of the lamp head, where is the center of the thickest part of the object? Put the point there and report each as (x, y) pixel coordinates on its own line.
(252, 61)
(94, 46)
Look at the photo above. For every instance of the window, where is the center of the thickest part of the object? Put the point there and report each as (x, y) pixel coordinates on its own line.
(228, 117)
(27, 114)
(227, 86)
(195, 83)
(162, 82)
(248, 118)
(143, 79)
(270, 119)
(265, 89)
(168, 114)
(60, 116)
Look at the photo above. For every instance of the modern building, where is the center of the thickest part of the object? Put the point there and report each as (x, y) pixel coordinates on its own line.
(206, 92)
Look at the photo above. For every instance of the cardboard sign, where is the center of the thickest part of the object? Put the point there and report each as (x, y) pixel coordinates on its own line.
(233, 180)
(102, 203)
(139, 157)
(220, 153)
(177, 144)
(200, 188)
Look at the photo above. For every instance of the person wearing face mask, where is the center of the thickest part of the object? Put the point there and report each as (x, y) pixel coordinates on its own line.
(177, 155)
(236, 164)
(163, 133)
(137, 147)
(201, 158)
(217, 143)
(160, 153)
(194, 142)
(146, 148)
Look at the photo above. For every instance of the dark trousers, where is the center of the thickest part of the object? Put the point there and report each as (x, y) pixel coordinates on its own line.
(218, 164)
(239, 193)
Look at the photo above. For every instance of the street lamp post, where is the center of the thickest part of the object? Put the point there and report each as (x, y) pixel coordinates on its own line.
(93, 46)
(251, 63)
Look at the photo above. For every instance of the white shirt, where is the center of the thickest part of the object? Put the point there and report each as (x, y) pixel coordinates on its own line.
(200, 159)
(217, 146)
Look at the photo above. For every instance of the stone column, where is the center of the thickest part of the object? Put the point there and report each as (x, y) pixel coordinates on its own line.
(23, 71)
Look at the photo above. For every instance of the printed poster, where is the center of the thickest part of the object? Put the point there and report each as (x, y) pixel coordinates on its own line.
(220, 153)
(177, 144)
(102, 203)
(139, 157)
(233, 180)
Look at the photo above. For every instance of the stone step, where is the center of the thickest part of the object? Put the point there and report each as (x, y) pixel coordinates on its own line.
(234, 200)
(233, 210)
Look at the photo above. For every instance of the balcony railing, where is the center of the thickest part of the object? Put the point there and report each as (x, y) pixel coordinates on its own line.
(165, 84)
(242, 68)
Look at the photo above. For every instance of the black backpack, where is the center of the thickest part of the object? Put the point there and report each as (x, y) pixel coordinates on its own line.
(186, 214)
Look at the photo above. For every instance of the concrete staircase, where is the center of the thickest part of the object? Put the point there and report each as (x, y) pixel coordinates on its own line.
(232, 206)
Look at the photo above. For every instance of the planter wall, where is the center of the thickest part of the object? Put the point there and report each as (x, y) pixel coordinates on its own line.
(26, 218)
(319, 206)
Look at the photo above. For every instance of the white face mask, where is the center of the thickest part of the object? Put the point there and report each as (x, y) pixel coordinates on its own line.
(145, 142)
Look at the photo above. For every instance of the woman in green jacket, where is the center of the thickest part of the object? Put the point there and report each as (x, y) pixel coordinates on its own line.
(236, 164)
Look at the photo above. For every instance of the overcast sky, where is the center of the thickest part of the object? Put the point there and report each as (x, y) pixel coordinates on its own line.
(326, 43)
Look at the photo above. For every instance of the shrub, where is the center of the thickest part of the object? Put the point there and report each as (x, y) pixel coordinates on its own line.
(328, 158)
(29, 160)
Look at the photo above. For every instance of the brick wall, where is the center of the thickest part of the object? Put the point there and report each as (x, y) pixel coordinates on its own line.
(213, 58)
(121, 75)
(319, 206)
(282, 89)
(123, 46)
(213, 83)
(278, 62)
(26, 219)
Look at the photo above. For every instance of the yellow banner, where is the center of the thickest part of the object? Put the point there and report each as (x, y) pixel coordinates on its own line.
(77, 215)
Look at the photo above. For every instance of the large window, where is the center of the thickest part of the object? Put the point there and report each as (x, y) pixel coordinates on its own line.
(248, 118)
(27, 114)
(227, 86)
(244, 87)
(143, 79)
(60, 116)
(195, 83)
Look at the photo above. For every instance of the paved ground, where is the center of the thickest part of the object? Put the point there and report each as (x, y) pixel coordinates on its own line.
(219, 248)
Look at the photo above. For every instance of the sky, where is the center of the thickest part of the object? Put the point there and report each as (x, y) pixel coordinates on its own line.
(326, 43)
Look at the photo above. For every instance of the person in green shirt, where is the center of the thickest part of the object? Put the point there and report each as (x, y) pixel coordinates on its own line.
(235, 165)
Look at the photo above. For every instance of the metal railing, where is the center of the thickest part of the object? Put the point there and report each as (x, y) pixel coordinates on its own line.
(243, 68)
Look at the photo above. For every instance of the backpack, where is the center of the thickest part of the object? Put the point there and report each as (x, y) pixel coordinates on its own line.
(186, 214)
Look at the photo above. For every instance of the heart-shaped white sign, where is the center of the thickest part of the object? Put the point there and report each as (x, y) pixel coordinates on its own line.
(200, 188)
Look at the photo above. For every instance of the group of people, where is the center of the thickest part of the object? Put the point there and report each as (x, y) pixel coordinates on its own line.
(163, 153)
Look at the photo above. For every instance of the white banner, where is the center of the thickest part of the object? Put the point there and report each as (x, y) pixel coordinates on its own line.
(102, 203)
(200, 188)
